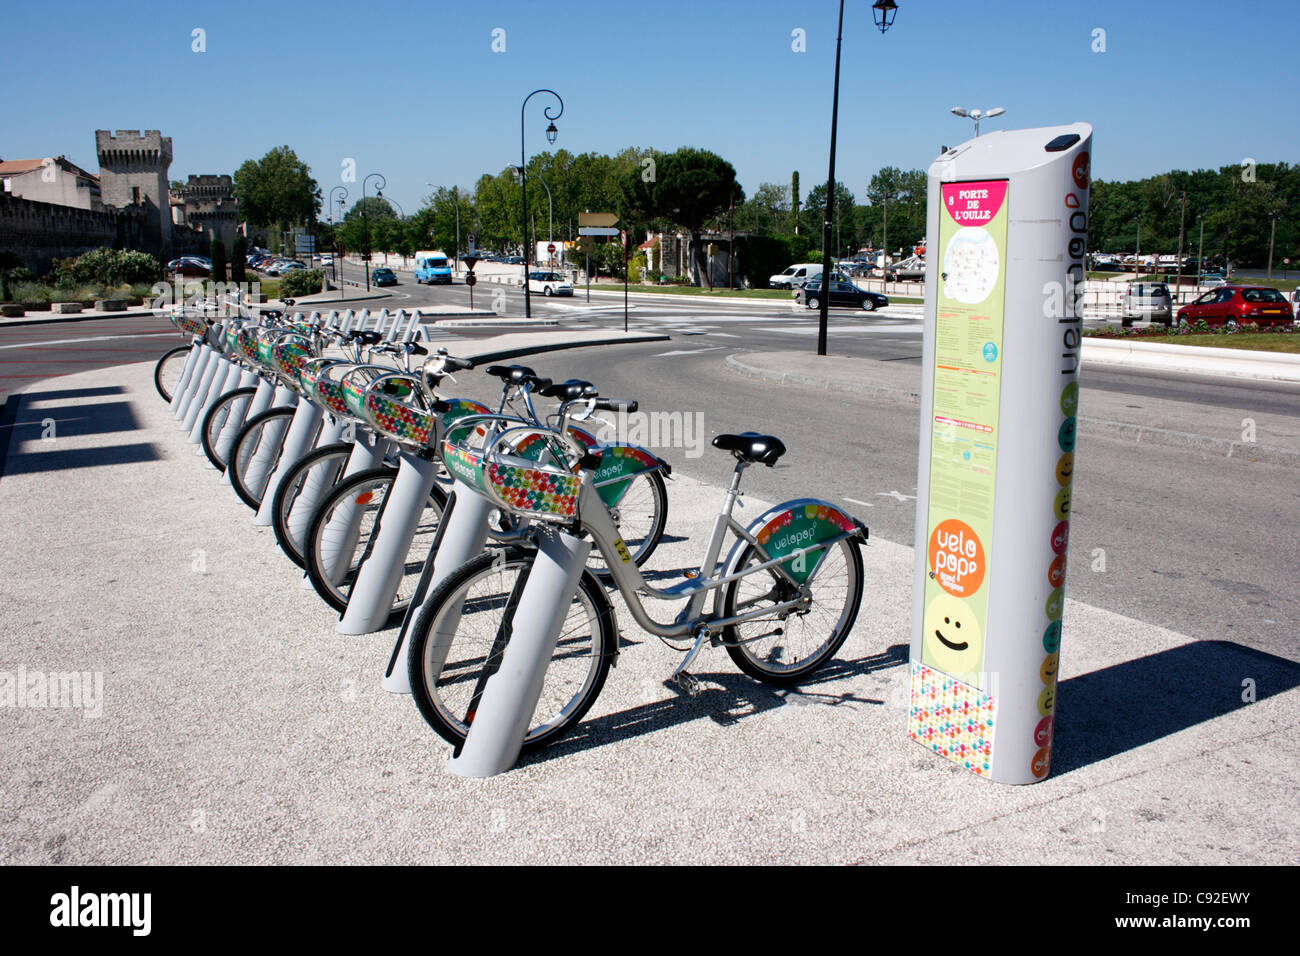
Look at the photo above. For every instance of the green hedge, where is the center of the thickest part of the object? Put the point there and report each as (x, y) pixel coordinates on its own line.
(110, 267)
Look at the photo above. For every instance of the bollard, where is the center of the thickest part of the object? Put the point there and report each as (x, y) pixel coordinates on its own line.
(182, 384)
(299, 440)
(510, 695)
(259, 403)
(268, 447)
(380, 574)
(462, 535)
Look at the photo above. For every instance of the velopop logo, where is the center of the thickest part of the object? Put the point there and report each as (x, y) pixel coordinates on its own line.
(38, 690)
(103, 909)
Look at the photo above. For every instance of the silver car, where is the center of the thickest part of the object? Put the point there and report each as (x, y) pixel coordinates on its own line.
(1149, 301)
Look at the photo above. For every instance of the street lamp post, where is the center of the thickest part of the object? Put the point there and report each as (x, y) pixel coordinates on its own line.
(883, 13)
(978, 115)
(551, 133)
(365, 221)
(336, 268)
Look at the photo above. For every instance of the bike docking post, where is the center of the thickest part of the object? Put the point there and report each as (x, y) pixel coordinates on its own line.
(510, 694)
(380, 573)
(202, 370)
(198, 399)
(269, 444)
(462, 536)
(297, 442)
(260, 402)
(1009, 212)
(344, 527)
(183, 383)
(226, 379)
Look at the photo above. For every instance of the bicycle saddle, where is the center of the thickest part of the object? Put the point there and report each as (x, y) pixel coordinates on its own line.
(751, 446)
(270, 313)
(368, 337)
(569, 391)
(515, 374)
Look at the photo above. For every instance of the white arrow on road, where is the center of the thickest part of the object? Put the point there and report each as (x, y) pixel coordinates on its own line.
(688, 351)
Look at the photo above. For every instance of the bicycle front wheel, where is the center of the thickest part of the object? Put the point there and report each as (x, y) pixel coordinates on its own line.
(786, 646)
(309, 480)
(229, 407)
(338, 539)
(457, 643)
(640, 514)
(256, 452)
(168, 370)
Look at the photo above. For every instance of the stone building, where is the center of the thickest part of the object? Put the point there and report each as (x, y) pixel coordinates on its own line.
(133, 172)
(208, 204)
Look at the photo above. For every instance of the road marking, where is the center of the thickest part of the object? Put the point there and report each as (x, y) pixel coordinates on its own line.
(688, 351)
(96, 338)
(865, 504)
(895, 495)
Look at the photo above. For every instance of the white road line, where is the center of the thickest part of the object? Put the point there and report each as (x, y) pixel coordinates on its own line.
(855, 501)
(95, 338)
(688, 351)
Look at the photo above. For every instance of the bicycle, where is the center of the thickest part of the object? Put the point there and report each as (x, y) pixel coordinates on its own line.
(765, 612)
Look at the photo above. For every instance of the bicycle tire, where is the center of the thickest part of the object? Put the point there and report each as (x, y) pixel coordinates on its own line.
(168, 370)
(215, 420)
(328, 461)
(246, 447)
(787, 657)
(316, 545)
(444, 691)
(642, 516)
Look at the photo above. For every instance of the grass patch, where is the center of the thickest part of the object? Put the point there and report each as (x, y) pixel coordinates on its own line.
(1254, 341)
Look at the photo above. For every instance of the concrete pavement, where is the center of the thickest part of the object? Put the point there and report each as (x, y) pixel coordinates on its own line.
(236, 726)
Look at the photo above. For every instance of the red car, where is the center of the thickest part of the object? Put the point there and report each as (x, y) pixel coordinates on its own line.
(1234, 306)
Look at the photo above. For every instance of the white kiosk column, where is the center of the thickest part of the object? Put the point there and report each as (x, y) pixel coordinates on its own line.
(1008, 223)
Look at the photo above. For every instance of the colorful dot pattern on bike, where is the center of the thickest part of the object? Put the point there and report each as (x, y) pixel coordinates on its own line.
(190, 325)
(397, 420)
(952, 718)
(835, 519)
(533, 491)
(290, 355)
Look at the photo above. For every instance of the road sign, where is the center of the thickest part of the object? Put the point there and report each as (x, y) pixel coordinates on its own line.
(622, 237)
(551, 248)
(304, 245)
(471, 279)
(585, 245)
(473, 243)
(597, 231)
(598, 219)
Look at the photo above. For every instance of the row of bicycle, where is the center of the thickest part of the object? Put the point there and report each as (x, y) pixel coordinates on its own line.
(403, 504)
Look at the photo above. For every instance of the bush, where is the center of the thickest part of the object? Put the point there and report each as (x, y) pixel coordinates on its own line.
(301, 282)
(21, 274)
(762, 257)
(799, 246)
(33, 293)
(107, 266)
(88, 294)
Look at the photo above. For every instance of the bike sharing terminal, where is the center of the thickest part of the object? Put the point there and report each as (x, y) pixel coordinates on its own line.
(1008, 218)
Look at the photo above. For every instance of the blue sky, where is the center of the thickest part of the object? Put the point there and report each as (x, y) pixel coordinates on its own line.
(415, 91)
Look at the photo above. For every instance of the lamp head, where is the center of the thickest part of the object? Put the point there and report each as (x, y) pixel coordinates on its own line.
(883, 13)
(551, 134)
(959, 111)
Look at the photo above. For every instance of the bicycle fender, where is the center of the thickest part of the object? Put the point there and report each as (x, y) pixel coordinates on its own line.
(797, 524)
(618, 463)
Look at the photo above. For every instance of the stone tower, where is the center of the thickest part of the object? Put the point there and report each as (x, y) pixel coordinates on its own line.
(133, 171)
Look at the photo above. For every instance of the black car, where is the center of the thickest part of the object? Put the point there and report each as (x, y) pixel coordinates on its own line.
(843, 295)
(383, 276)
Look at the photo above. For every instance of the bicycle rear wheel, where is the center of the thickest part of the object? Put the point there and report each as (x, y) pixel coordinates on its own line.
(315, 473)
(168, 370)
(783, 648)
(456, 643)
(218, 416)
(338, 539)
(256, 452)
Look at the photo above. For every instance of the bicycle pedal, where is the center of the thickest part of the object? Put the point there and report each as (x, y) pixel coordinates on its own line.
(689, 684)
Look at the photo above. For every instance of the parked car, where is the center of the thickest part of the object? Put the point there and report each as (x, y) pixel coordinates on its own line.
(292, 265)
(1234, 306)
(383, 276)
(1147, 300)
(795, 276)
(188, 266)
(843, 294)
(549, 283)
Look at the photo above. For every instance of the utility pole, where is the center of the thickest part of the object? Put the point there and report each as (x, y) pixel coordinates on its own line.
(1272, 229)
(1182, 211)
(1200, 252)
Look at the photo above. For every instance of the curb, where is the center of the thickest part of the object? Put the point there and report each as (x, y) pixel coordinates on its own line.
(1193, 359)
(1140, 434)
(502, 354)
(80, 317)
(497, 322)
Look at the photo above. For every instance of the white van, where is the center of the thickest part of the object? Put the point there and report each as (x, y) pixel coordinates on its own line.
(795, 276)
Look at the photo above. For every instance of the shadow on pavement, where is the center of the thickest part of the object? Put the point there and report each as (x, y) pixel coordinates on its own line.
(30, 437)
(738, 696)
(1109, 711)
(28, 463)
(65, 394)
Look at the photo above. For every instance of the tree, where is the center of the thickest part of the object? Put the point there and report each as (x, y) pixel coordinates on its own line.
(218, 255)
(277, 189)
(693, 186)
(238, 254)
(815, 210)
(794, 200)
(896, 215)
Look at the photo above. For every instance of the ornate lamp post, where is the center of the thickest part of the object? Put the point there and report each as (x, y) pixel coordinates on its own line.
(551, 134)
(365, 221)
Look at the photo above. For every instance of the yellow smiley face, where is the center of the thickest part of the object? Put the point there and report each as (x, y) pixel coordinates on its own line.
(952, 641)
(1065, 468)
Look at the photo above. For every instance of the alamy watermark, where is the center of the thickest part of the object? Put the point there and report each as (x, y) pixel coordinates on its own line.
(39, 690)
(683, 430)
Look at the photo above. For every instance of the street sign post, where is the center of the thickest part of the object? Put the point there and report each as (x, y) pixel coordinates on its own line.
(999, 406)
